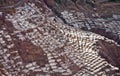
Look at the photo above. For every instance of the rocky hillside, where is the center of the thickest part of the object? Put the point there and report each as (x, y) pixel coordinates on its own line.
(98, 16)
(57, 38)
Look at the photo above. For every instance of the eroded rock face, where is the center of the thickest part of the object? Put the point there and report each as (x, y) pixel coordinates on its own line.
(35, 42)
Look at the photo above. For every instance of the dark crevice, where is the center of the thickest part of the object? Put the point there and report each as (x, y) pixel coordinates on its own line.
(55, 11)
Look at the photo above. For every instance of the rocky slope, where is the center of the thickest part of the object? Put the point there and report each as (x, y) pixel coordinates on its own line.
(36, 41)
(103, 18)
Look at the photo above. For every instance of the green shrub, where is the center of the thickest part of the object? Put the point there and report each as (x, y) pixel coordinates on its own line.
(58, 1)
